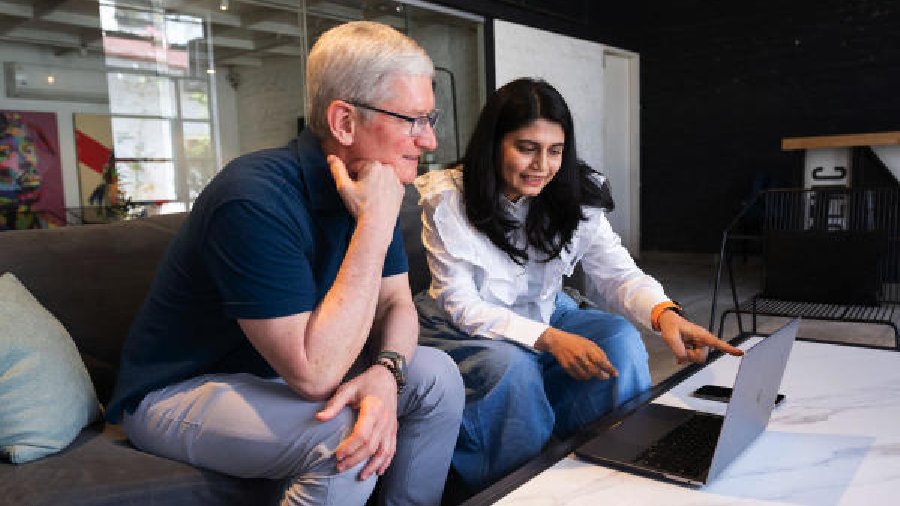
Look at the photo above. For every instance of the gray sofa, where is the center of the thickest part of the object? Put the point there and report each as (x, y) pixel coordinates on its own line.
(93, 278)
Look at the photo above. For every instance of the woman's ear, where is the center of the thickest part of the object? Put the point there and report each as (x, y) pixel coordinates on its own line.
(341, 122)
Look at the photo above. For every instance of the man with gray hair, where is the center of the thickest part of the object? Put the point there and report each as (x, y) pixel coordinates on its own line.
(275, 340)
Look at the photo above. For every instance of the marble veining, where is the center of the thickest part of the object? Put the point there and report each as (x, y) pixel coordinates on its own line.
(834, 441)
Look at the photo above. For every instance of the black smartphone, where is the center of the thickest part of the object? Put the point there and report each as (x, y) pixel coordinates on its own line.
(722, 394)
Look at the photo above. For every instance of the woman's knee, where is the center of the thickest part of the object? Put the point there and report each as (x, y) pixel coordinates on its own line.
(625, 349)
(624, 344)
(512, 385)
(502, 364)
(435, 377)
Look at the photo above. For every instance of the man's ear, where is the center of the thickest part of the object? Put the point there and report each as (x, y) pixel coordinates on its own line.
(341, 122)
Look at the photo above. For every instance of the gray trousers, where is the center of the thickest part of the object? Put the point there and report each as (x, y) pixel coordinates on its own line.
(246, 426)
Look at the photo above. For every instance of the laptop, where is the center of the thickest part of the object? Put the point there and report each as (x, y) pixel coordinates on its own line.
(692, 446)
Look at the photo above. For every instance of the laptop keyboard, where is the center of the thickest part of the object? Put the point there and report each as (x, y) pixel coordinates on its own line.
(687, 449)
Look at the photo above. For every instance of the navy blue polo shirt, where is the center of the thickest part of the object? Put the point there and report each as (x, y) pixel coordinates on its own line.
(264, 239)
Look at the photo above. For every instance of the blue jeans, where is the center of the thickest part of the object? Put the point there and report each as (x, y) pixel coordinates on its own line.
(516, 397)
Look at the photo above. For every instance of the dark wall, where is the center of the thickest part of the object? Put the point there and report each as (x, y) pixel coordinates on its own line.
(722, 82)
(611, 23)
(720, 87)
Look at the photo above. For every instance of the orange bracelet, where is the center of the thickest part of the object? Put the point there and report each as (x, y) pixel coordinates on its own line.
(658, 309)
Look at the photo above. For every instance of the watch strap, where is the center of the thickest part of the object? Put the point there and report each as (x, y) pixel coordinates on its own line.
(659, 309)
(396, 364)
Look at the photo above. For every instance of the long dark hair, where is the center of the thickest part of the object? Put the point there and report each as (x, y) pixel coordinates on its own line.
(554, 214)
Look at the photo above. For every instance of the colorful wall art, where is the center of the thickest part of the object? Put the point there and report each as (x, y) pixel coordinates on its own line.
(31, 188)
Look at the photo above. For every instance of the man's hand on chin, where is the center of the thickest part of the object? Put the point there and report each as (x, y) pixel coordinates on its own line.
(372, 191)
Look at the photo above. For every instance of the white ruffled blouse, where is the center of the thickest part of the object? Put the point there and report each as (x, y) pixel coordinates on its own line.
(482, 288)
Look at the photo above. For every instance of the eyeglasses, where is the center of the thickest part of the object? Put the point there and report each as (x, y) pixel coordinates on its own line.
(417, 124)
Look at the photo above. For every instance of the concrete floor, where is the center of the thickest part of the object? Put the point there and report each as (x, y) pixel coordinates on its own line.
(689, 279)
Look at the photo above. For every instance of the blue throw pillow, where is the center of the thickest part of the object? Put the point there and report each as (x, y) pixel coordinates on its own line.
(46, 394)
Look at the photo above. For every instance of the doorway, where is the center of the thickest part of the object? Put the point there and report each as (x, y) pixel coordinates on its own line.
(621, 143)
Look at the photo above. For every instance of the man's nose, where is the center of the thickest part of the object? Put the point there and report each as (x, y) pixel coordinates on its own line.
(428, 139)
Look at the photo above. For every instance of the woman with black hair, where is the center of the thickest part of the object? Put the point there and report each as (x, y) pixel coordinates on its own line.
(501, 230)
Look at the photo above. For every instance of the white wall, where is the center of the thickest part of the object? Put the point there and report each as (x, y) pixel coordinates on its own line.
(619, 148)
(576, 68)
(268, 98)
(572, 66)
(226, 117)
(11, 52)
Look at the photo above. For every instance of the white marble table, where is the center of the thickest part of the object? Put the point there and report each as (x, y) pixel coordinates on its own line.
(835, 440)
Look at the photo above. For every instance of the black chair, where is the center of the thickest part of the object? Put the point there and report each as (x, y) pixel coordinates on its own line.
(828, 253)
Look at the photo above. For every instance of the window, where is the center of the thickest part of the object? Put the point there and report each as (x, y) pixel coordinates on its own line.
(151, 98)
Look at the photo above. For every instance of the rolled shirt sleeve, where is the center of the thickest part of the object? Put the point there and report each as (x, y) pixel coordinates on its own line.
(614, 281)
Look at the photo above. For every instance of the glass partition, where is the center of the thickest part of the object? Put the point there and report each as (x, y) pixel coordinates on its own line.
(130, 107)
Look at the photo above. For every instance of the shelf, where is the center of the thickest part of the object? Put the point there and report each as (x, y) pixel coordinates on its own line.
(840, 141)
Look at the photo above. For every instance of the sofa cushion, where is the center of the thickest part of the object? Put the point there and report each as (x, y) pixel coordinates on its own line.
(46, 395)
(93, 278)
(101, 468)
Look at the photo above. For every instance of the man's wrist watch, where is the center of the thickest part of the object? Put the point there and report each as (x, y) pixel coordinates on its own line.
(396, 364)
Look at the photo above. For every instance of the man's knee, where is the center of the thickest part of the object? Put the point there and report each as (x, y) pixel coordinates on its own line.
(330, 488)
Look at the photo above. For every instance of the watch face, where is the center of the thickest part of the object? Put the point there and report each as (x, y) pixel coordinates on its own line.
(400, 368)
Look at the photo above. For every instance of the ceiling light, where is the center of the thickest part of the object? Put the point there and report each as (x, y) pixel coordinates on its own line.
(51, 79)
(223, 5)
